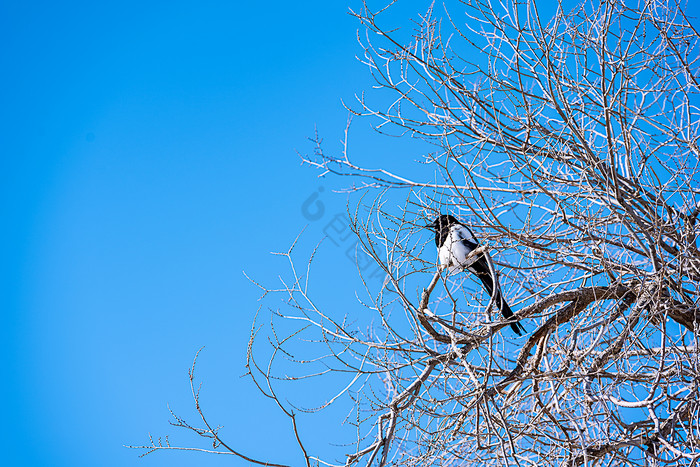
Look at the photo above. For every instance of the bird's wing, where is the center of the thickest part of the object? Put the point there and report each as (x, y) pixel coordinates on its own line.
(463, 232)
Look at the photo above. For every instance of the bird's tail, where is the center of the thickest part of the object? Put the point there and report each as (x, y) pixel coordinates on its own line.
(508, 314)
(482, 272)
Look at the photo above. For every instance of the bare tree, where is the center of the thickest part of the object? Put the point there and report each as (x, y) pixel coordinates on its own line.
(568, 140)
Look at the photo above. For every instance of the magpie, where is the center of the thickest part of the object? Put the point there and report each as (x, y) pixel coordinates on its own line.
(455, 241)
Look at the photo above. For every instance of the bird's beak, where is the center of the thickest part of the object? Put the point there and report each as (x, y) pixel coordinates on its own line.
(429, 226)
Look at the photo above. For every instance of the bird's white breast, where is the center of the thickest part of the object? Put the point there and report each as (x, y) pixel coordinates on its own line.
(454, 251)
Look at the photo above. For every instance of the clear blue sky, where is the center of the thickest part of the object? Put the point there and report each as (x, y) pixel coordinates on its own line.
(141, 142)
(140, 145)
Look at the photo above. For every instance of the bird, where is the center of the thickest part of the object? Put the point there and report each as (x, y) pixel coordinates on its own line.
(455, 241)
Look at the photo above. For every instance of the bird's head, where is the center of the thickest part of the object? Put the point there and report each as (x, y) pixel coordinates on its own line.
(441, 222)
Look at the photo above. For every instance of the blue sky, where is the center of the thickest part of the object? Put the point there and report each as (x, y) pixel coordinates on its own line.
(142, 145)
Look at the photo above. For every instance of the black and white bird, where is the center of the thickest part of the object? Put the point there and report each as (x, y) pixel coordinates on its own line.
(455, 241)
